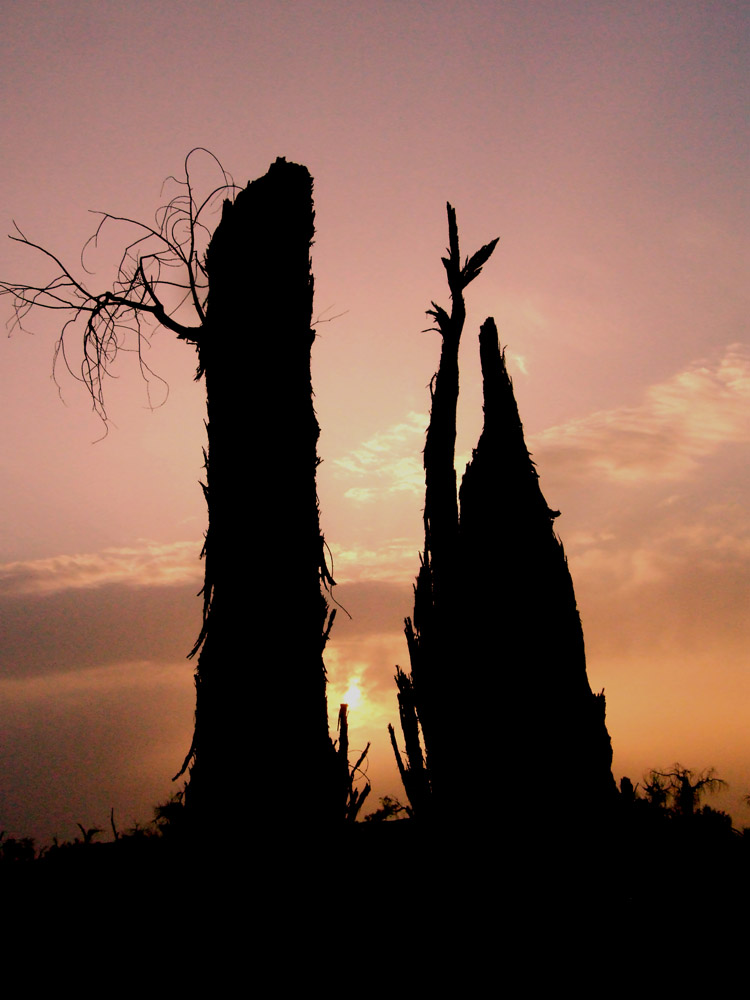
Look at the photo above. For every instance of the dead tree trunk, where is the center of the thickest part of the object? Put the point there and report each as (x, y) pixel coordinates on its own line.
(498, 670)
(261, 725)
(413, 773)
(434, 635)
(522, 626)
(261, 728)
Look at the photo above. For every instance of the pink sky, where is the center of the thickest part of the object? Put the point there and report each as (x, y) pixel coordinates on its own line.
(605, 143)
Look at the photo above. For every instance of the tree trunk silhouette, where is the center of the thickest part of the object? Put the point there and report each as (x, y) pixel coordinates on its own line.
(261, 724)
(498, 669)
(434, 635)
(413, 773)
(522, 622)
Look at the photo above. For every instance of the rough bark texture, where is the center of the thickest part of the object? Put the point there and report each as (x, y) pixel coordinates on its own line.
(265, 612)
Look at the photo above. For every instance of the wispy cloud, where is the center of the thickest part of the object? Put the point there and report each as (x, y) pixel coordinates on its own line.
(680, 421)
(150, 564)
(83, 684)
(714, 540)
(387, 463)
(519, 360)
(397, 559)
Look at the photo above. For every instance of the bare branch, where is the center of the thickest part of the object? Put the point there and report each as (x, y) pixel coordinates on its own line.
(160, 274)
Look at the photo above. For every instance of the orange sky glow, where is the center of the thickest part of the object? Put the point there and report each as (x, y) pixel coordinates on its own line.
(606, 144)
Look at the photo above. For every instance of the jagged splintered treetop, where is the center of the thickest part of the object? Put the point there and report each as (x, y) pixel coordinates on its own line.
(498, 679)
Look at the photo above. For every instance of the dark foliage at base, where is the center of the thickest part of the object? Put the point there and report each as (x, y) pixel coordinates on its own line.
(649, 857)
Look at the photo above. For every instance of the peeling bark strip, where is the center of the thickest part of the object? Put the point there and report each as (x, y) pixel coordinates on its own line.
(498, 667)
(261, 723)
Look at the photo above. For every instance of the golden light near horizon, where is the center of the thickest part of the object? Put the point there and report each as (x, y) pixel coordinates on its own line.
(353, 694)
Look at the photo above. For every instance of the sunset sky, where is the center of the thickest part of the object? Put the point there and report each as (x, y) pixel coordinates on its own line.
(605, 143)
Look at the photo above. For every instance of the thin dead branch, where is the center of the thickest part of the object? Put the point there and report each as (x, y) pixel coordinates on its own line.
(160, 278)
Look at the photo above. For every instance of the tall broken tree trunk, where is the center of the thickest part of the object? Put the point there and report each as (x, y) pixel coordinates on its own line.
(498, 671)
(261, 725)
(434, 640)
(536, 713)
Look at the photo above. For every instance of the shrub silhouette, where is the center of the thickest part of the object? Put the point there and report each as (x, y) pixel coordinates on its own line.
(682, 788)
